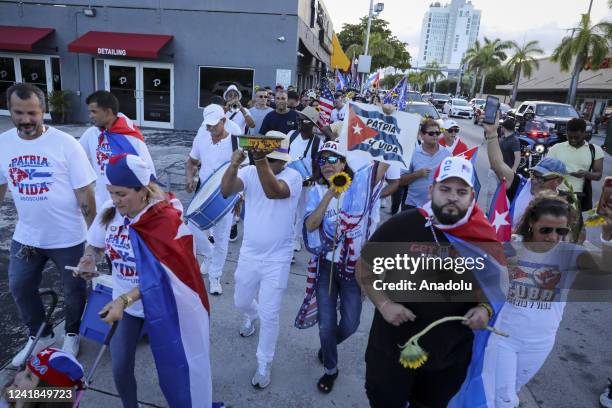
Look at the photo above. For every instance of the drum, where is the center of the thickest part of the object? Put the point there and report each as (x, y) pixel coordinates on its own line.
(300, 166)
(208, 205)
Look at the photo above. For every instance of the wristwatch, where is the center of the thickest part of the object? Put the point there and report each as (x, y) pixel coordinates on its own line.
(126, 300)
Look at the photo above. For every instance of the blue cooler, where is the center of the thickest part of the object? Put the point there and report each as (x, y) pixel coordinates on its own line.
(92, 326)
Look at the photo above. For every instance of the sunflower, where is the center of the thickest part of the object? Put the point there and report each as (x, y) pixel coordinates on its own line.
(340, 182)
(413, 356)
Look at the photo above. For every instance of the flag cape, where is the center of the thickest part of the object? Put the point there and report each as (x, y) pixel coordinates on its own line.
(175, 305)
(326, 104)
(499, 213)
(117, 138)
(370, 133)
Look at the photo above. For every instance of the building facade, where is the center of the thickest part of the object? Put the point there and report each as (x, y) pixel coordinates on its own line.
(447, 31)
(163, 59)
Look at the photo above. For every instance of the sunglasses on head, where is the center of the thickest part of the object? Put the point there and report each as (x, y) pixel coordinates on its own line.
(328, 159)
(433, 133)
(562, 231)
(453, 130)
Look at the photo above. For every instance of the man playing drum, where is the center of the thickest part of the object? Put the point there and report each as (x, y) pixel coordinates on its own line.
(271, 193)
(211, 148)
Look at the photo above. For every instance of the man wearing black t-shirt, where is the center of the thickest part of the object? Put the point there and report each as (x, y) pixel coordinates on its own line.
(282, 119)
(452, 210)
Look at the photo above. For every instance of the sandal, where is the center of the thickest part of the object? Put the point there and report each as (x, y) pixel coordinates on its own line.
(326, 383)
(320, 355)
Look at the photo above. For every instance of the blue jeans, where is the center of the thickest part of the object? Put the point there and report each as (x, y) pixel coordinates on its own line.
(25, 274)
(123, 356)
(330, 332)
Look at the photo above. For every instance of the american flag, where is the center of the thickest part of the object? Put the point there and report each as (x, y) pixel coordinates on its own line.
(326, 103)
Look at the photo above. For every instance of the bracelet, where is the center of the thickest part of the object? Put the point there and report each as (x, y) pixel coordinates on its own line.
(258, 160)
(126, 300)
(380, 308)
(488, 308)
(490, 139)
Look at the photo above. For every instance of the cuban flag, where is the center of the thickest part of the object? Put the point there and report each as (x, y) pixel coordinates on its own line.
(175, 305)
(499, 213)
(471, 155)
(117, 137)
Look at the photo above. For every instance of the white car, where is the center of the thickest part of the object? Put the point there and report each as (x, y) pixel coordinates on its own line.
(458, 107)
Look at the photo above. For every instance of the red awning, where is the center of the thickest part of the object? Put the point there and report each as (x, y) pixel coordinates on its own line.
(120, 44)
(21, 38)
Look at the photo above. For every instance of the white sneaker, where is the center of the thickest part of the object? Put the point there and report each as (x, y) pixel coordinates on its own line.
(42, 344)
(71, 344)
(215, 286)
(297, 245)
(248, 327)
(262, 379)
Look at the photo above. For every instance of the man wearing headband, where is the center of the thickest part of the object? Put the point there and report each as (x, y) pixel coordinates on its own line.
(271, 193)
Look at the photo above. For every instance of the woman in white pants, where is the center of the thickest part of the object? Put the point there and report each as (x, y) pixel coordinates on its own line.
(542, 269)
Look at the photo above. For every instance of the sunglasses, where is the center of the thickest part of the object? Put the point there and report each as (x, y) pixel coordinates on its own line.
(562, 231)
(433, 133)
(328, 159)
(263, 96)
(453, 130)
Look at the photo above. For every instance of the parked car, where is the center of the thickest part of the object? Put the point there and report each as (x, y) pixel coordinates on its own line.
(458, 107)
(438, 100)
(425, 109)
(556, 114)
(479, 112)
(477, 101)
(414, 96)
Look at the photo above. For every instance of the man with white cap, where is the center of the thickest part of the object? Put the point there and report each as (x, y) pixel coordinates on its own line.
(234, 109)
(451, 211)
(450, 138)
(212, 147)
(271, 192)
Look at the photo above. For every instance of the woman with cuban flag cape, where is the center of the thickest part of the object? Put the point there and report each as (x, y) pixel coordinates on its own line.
(156, 284)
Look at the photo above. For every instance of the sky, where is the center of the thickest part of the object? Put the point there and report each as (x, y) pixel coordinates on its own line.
(518, 20)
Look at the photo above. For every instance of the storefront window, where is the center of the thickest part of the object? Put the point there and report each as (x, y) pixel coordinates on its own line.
(7, 79)
(56, 74)
(215, 80)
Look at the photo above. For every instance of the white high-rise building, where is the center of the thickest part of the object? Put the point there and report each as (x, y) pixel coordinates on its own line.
(447, 32)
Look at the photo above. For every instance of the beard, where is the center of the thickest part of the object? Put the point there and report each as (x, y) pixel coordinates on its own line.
(444, 215)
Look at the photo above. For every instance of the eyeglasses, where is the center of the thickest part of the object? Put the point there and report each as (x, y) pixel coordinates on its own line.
(328, 159)
(562, 231)
(263, 96)
(433, 133)
(453, 130)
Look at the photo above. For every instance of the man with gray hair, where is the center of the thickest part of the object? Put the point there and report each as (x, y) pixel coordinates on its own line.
(51, 182)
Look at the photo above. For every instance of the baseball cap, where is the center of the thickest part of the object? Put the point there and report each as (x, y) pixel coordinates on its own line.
(549, 166)
(213, 114)
(449, 123)
(455, 167)
(128, 170)
(332, 146)
(282, 153)
(57, 368)
(279, 86)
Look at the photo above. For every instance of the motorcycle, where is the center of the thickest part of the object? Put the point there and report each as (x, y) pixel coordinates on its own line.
(535, 139)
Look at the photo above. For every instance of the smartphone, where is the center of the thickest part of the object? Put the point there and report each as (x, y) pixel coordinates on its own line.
(490, 110)
(605, 201)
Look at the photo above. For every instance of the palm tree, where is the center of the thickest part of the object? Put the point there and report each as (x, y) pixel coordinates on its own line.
(472, 61)
(492, 55)
(523, 60)
(432, 71)
(586, 43)
(377, 47)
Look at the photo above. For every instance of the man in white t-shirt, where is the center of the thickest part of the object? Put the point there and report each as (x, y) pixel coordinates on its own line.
(212, 147)
(51, 183)
(338, 113)
(304, 146)
(235, 111)
(112, 134)
(260, 110)
(271, 192)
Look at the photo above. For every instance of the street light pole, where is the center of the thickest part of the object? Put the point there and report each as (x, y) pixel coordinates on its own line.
(367, 42)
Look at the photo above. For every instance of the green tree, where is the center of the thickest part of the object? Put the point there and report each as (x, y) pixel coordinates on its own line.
(354, 34)
(588, 43)
(493, 54)
(378, 48)
(500, 75)
(433, 72)
(473, 62)
(389, 81)
(417, 80)
(524, 61)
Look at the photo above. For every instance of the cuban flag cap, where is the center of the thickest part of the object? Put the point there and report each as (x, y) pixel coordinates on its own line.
(455, 166)
(128, 170)
(57, 368)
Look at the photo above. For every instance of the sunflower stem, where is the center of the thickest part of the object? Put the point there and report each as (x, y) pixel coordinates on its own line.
(331, 271)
